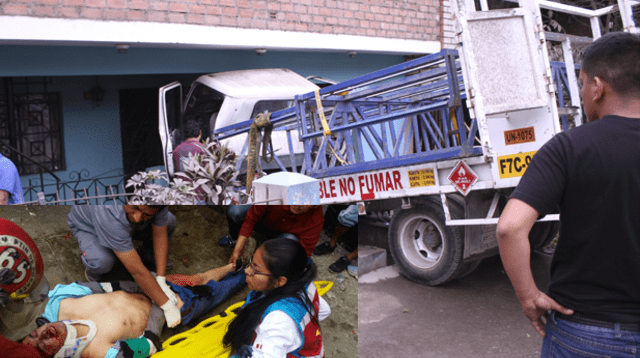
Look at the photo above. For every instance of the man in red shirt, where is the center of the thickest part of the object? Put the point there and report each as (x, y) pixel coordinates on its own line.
(191, 145)
(302, 223)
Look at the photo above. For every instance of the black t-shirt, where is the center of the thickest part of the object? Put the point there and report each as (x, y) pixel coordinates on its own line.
(592, 174)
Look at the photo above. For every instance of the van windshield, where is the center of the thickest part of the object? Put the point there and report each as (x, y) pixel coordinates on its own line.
(270, 106)
(203, 106)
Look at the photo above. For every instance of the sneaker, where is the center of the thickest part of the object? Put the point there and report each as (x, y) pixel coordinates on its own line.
(92, 276)
(340, 265)
(227, 241)
(324, 248)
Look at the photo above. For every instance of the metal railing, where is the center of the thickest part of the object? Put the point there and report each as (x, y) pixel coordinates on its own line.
(82, 190)
(43, 170)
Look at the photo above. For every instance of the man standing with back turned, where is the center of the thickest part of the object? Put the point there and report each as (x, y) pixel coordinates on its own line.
(592, 173)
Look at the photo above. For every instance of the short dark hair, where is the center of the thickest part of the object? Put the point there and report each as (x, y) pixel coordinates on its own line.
(615, 58)
(191, 129)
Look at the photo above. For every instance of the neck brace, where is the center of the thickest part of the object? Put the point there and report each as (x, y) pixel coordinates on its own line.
(73, 346)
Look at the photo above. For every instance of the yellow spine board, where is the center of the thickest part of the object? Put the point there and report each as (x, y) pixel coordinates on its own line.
(205, 339)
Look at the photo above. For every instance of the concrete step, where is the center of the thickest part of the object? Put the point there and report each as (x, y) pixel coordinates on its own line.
(370, 258)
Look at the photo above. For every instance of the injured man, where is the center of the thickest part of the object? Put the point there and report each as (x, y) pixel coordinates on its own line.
(96, 320)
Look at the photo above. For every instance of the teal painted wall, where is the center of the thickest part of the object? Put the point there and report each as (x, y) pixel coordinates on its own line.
(72, 61)
(92, 132)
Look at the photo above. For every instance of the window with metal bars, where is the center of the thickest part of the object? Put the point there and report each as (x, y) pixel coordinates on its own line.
(31, 123)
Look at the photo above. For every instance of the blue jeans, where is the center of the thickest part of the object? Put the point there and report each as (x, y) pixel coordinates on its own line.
(575, 340)
(207, 296)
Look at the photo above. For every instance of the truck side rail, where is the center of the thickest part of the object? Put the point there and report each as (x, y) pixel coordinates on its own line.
(405, 114)
(402, 115)
(559, 71)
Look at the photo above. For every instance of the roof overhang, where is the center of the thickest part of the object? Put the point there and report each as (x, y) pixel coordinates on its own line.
(25, 30)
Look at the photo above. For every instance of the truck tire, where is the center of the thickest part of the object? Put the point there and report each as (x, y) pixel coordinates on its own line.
(426, 251)
(468, 267)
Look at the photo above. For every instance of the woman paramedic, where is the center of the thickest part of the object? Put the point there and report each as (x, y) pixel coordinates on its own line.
(281, 315)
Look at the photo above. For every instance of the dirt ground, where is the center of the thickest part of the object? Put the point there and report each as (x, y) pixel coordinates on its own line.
(193, 248)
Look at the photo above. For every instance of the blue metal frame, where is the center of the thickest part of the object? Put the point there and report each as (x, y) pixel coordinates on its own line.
(559, 72)
(398, 116)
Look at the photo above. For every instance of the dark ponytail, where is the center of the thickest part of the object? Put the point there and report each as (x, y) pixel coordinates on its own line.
(283, 257)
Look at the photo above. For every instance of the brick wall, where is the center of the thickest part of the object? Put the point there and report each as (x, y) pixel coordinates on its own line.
(406, 19)
(447, 29)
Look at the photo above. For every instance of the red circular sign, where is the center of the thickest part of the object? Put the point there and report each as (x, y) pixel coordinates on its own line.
(19, 253)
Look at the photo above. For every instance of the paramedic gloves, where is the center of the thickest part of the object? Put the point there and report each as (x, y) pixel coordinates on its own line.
(6, 276)
(167, 290)
(171, 313)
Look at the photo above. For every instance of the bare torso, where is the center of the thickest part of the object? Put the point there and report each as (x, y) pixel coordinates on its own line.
(117, 315)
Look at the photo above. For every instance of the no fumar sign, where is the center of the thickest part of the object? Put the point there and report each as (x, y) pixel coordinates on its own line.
(462, 177)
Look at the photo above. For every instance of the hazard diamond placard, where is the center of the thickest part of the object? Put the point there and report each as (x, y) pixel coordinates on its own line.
(462, 177)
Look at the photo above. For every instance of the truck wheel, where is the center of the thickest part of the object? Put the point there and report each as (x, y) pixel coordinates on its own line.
(426, 251)
(468, 267)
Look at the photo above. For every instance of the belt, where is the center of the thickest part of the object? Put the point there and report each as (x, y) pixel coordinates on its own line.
(581, 319)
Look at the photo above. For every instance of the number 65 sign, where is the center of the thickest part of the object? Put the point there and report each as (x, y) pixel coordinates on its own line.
(19, 253)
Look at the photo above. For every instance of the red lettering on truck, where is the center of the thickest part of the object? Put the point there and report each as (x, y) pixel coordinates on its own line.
(332, 188)
(396, 180)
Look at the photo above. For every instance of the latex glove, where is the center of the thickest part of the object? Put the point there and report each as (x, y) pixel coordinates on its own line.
(162, 282)
(6, 276)
(171, 314)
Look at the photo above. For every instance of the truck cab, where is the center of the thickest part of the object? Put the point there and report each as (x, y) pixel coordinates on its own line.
(222, 99)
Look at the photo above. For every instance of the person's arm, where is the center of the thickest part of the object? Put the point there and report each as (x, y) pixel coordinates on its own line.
(142, 276)
(4, 197)
(237, 250)
(309, 235)
(514, 226)
(160, 248)
(324, 311)
(255, 214)
(149, 285)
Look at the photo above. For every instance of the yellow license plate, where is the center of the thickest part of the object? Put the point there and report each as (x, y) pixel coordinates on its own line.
(514, 165)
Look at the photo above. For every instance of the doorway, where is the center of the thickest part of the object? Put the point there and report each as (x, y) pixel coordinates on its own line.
(141, 146)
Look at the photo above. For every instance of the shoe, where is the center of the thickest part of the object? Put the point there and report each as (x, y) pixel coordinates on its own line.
(227, 241)
(91, 276)
(324, 248)
(340, 265)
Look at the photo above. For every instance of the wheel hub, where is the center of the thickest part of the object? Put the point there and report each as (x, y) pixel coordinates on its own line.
(431, 238)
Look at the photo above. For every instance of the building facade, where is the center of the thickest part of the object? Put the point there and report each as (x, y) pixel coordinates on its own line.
(58, 55)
